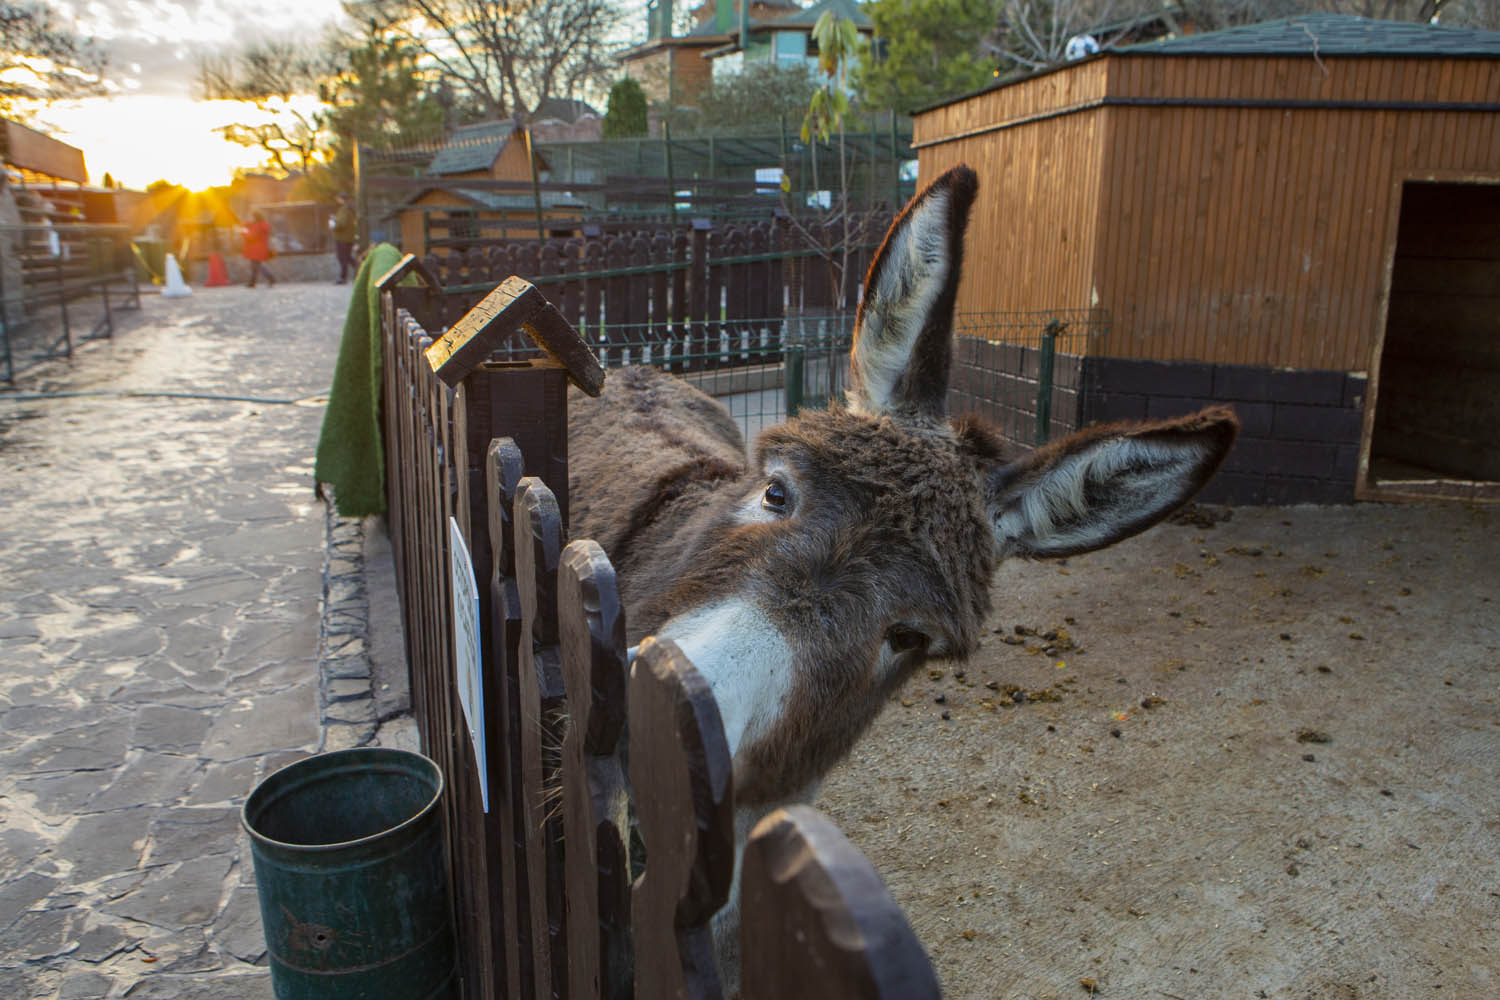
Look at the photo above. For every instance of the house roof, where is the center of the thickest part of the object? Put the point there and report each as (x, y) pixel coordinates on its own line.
(562, 109)
(808, 16)
(495, 201)
(498, 200)
(1328, 35)
(472, 147)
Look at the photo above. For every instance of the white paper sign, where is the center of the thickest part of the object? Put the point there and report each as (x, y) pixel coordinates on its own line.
(466, 649)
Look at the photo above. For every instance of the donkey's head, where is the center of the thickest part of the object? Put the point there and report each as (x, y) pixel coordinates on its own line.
(866, 537)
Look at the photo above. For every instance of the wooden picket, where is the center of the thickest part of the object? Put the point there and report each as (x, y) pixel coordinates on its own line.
(545, 897)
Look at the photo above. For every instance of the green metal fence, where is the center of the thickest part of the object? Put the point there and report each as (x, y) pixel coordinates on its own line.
(761, 370)
(1023, 371)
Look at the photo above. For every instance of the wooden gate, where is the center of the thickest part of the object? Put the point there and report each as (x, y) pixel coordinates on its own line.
(546, 901)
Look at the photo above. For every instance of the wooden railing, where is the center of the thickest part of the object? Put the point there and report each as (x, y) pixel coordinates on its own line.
(546, 901)
(63, 267)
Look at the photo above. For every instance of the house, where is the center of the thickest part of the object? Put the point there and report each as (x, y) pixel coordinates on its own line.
(676, 69)
(1296, 217)
(559, 119)
(485, 152)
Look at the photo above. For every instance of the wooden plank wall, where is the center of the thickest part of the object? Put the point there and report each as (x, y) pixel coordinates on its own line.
(1034, 221)
(1256, 236)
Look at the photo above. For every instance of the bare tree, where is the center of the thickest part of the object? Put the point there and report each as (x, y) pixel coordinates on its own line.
(44, 60)
(269, 75)
(1034, 34)
(503, 56)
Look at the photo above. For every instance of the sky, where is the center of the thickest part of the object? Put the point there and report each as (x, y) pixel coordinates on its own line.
(152, 128)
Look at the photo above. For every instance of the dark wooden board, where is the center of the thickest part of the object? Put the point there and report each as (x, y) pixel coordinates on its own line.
(681, 778)
(818, 920)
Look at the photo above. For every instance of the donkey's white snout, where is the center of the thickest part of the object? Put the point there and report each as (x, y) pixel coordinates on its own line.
(745, 660)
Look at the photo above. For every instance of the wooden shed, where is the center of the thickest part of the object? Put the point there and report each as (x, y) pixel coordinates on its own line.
(1300, 217)
(488, 151)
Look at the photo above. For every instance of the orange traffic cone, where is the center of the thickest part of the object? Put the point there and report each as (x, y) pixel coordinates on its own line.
(218, 274)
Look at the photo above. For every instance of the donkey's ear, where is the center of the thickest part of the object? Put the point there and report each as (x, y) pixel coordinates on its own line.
(1104, 484)
(903, 331)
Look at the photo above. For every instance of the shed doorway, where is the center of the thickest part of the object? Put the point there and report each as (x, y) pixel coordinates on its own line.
(1437, 408)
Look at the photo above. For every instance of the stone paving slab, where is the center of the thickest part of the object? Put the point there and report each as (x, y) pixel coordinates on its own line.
(163, 569)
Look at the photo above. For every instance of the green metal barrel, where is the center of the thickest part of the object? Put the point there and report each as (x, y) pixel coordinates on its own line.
(353, 887)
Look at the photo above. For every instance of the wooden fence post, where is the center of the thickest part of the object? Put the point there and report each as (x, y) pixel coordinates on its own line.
(681, 780)
(503, 474)
(818, 920)
(596, 824)
(543, 709)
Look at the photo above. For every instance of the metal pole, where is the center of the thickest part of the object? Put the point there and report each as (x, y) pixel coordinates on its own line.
(362, 202)
(1044, 379)
(666, 141)
(536, 188)
(795, 358)
(5, 258)
(895, 168)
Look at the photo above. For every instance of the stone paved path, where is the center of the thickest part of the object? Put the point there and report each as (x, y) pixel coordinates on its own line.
(160, 582)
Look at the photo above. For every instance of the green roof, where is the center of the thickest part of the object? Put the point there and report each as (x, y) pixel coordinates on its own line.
(471, 148)
(1328, 35)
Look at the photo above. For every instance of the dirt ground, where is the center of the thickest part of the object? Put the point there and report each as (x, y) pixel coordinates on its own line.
(1258, 758)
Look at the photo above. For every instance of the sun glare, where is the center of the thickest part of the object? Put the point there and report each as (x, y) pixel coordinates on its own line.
(144, 138)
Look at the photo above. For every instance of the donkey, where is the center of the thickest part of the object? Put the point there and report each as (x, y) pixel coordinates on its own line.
(861, 541)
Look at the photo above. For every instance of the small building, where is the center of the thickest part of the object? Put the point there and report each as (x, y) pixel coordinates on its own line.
(560, 119)
(488, 151)
(675, 70)
(1300, 217)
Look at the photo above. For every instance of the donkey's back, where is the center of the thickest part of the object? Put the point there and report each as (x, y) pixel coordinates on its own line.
(648, 442)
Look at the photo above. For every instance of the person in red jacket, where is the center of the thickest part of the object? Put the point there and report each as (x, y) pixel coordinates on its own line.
(257, 247)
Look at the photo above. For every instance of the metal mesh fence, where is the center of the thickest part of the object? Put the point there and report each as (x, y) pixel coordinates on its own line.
(1023, 371)
(761, 370)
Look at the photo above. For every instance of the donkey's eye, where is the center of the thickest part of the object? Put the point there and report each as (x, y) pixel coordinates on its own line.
(904, 639)
(774, 498)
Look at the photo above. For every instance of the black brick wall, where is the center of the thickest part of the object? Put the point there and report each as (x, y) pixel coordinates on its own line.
(999, 383)
(1299, 430)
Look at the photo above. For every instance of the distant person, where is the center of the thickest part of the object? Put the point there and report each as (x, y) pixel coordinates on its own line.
(257, 247)
(345, 230)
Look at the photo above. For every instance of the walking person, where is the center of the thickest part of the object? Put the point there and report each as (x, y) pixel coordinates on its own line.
(257, 247)
(345, 230)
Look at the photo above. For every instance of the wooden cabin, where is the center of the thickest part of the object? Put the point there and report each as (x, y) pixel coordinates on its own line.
(489, 151)
(1300, 217)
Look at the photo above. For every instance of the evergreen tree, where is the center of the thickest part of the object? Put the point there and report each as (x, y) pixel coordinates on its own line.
(380, 99)
(626, 114)
(931, 51)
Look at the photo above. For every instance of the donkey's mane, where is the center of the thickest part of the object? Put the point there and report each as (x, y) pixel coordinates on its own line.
(654, 439)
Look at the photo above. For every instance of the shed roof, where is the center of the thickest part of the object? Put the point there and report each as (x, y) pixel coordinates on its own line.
(1328, 35)
(472, 147)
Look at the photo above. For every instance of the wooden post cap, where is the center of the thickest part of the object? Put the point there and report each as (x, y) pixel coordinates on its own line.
(514, 304)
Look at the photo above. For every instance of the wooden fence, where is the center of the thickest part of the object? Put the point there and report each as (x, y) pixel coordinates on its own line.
(546, 901)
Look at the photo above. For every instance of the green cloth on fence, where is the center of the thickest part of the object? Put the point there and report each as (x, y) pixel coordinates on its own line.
(350, 456)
